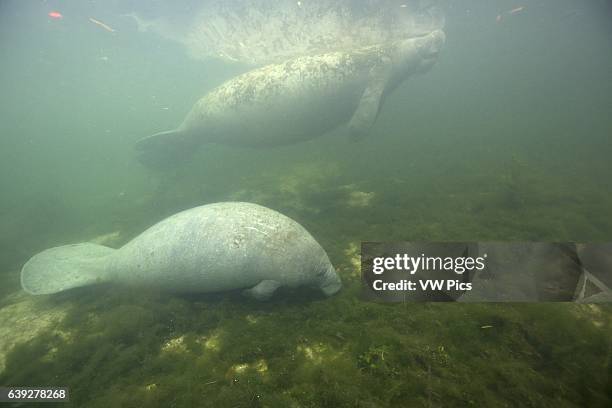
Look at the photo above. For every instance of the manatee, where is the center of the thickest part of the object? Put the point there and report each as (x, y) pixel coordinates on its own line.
(595, 285)
(299, 99)
(211, 248)
(260, 32)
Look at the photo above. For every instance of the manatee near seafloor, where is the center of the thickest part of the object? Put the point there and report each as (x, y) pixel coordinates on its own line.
(297, 100)
(212, 248)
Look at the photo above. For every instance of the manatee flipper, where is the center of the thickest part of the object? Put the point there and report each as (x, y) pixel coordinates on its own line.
(165, 149)
(591, 290)
(263, 290)
(369, 105)
(65, 267)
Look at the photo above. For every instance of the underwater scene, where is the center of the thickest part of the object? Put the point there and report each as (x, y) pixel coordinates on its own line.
(186, 186)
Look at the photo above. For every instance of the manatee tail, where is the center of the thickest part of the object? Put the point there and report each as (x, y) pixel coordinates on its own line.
(65, 267)
(165, 149)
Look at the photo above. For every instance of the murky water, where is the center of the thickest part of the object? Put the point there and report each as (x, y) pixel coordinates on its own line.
(506, 138)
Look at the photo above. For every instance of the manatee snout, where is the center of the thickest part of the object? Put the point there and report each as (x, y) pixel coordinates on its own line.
(330, 283)
(430, 45)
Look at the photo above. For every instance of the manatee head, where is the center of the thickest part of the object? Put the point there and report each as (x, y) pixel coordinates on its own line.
(328, 280)
(429, 46)
(417, 54)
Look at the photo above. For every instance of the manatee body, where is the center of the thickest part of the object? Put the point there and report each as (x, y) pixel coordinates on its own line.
(595, 284)
(212, 248)
(297, 100)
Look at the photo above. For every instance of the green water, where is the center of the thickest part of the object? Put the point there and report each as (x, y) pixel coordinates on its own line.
(507, 138)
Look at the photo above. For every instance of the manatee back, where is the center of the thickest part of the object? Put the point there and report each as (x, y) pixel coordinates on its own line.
(65, 267)
(218, 247)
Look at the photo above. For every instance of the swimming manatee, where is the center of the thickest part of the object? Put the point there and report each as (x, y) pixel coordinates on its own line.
(212, 248)
(296, 100)
(260, 32)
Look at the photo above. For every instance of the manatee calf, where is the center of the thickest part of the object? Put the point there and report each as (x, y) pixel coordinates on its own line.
(212, 248)
(297, 100)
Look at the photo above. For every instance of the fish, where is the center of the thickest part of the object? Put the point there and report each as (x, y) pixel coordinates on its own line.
(101, 24)
(516, 10)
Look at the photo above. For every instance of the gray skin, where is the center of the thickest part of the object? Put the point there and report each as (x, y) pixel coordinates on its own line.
(297, 100)
(212, 248)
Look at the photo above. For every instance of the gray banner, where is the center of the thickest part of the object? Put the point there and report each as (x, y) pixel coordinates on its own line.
(486, 272)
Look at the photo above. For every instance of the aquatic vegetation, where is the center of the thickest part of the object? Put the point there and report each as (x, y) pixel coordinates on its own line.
(514, 184)
(22, 318)
(373, 361)
(308, 352)
(120, 348)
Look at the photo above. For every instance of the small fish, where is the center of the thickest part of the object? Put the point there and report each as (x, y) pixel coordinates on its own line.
(101, 24)
(56, 15)
(511, 12)
(486, 326)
